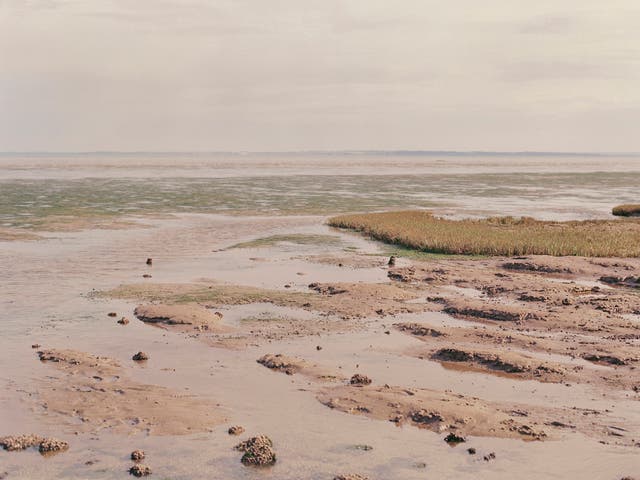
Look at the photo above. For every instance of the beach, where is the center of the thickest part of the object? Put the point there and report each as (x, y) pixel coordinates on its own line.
(254, 312)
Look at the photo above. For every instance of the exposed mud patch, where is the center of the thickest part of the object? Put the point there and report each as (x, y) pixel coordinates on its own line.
(92, 393)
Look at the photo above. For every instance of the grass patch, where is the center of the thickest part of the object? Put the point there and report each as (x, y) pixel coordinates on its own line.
(504, 236)
(295, 238)
(412, 253)
(626, 211)
(201, 293)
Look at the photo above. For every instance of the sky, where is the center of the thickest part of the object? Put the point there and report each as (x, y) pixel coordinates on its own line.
(288, 75)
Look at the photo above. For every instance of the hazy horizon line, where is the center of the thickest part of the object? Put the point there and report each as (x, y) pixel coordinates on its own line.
(324, 152)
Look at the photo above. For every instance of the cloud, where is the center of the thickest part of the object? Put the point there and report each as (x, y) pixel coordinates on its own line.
(285, 74)
(548, 25)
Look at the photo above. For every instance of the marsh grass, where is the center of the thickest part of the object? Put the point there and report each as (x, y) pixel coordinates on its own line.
(508, 236)
(630, 210)
(295, 238)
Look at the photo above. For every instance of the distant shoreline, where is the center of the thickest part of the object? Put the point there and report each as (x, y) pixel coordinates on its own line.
(426, 153)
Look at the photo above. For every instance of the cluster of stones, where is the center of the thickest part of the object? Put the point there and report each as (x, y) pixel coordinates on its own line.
(139, 470)
(22, 442)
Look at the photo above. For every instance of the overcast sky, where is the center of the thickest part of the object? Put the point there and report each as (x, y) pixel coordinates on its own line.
(552, 75)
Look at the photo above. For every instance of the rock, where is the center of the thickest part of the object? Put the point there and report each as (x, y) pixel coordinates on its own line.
(140, 356)
(418, 330)
(280, 362)
(235, 430)
(137, 455)
(359, 379)
(489, 457)
(318, 347)
(453, 439)
(607, 359)
(52, 445)
(350, 476)
(364, 447)
(149, 261)
(426, 417)
(112, 314)
(35, 345)
(392, 261)
(471, 451)
(397, 419)
(258, 451)
(57, 357)
(146, 275)
(14, 443)
(140, 470)
(123, 321)
(326, 289)
(453, 355)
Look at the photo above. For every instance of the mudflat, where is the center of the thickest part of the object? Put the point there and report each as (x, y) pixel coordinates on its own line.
(328, 359)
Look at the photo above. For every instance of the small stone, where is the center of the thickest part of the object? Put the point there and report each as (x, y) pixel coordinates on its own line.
(350, 476)
(149, 261)
(397, 419)
(471, 451)
(489, 457)
(140, 470)
(112, 314)
(35, 345)
(137, 455)
(318, 347)
(140, 356)
(359, 379)
(453, 439)
(146, 275)
(364, 447)
(123, 321)
(235, 430)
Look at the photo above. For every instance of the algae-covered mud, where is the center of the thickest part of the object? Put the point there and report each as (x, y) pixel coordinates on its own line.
(240, 336)
(76, 191)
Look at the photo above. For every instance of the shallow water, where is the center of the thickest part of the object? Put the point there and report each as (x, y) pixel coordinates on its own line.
(34, 190)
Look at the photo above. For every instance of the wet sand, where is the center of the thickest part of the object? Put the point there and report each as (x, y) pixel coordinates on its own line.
(532, 361)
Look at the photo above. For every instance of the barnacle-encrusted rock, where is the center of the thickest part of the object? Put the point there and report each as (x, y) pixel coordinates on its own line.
(137, 455)
(14, 443)
(258, 451)
(52, 445)
(359, 379)
(140, 470)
